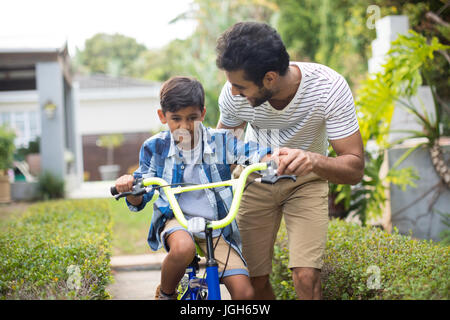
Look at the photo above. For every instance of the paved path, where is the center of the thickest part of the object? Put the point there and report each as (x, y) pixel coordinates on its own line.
(92, 189)
(136, 277)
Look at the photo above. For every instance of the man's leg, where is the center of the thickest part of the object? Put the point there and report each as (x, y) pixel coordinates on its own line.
(307, 283)
(306, 215)
(259, 219)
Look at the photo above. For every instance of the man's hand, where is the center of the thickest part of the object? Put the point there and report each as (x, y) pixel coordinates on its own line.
(293, 161)
(346, 168)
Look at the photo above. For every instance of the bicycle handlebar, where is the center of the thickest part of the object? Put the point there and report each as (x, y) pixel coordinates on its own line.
(143, 186)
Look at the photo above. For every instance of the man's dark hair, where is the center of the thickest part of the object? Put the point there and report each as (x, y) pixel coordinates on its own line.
(254, 47)
(181, 92)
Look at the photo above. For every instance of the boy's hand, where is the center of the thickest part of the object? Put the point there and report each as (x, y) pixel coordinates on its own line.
(124, 183)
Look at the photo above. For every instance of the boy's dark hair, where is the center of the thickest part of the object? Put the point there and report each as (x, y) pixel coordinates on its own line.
(181, 92)
(254, 47)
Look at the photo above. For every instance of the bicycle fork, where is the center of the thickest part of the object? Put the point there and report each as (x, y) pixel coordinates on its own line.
(212, 269)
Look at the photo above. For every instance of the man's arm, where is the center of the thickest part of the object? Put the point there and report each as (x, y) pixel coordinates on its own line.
(237, 131)
(346, 168)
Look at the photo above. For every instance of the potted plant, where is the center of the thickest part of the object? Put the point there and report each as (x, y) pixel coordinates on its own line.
(7, 148)
(110, 171)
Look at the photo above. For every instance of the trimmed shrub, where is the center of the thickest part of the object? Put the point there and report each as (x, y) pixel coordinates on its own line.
(57, 250)
(50, 186)
(368, 263)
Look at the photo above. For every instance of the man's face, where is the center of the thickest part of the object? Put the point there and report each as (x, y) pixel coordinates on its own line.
(183, 124)
(240, 86)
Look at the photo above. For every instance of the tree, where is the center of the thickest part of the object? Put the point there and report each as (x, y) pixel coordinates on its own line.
(110, 54)
(196, 55)
(335, 33)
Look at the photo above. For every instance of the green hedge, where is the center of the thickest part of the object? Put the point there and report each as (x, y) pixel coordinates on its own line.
(357, 256)
(57, 250)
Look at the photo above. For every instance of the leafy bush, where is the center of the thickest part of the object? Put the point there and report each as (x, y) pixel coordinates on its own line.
(57, 250)
(50, 186)
(355, 256)
(7, 147)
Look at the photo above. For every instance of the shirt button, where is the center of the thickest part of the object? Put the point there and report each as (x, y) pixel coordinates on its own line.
(182, 167)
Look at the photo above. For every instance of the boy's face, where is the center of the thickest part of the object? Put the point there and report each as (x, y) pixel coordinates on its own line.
(183, 124)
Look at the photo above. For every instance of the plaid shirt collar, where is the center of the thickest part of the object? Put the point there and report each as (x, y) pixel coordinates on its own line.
(207, 142)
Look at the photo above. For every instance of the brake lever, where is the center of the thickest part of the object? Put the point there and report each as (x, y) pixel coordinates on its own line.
(135, 192)
(270, 176)
(271, 179)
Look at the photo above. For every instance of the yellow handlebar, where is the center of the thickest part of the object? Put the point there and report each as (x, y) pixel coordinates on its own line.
(238, 184)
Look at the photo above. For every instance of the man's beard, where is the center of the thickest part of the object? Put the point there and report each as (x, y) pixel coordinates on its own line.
(265, 95)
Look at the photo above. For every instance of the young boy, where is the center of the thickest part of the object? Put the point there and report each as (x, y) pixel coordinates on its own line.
(192, 153)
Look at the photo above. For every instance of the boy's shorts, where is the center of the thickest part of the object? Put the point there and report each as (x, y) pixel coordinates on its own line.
(304, 206)
(235, 264)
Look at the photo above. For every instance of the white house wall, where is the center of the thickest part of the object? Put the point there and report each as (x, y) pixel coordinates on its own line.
(120, 115)
(100, 110)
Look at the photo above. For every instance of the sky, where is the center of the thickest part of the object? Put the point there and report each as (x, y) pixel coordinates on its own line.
(49, 23)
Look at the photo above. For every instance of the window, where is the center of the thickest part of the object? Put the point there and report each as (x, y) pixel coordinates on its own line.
(25, 123)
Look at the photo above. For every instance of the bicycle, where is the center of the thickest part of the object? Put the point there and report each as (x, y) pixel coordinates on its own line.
(192, 287)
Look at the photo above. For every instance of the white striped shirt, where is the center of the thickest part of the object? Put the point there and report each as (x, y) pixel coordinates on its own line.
(321, 110)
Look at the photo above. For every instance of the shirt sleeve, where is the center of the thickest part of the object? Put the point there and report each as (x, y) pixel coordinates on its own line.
(340, 113)
(227, 106)
(145, 170)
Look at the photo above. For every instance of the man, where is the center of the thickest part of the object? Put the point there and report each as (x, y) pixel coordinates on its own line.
(297, 107)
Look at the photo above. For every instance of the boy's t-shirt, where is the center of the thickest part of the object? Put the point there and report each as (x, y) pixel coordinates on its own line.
(195, 203)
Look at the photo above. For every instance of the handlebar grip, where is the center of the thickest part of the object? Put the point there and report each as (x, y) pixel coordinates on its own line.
(113, 191)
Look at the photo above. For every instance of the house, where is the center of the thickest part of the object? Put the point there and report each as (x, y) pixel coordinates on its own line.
(39, 97)
(116, 105)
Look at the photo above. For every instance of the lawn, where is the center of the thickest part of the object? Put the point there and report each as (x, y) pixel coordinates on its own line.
(11, 211)
(130, 229)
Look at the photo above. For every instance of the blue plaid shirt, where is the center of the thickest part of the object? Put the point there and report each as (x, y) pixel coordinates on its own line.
(159, 157)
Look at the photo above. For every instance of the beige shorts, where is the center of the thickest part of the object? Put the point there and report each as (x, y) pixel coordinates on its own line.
(235, 264)
(303, 205)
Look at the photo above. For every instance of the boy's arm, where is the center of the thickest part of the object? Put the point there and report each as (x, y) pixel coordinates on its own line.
(145, 168)
(239, 152)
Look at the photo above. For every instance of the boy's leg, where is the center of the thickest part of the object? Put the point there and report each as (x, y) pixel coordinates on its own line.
(181, 252)
(239, 287)
(235, 273)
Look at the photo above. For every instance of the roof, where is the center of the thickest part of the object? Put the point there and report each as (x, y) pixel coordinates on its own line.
(103, 81)
(18, 61)
(30, 45)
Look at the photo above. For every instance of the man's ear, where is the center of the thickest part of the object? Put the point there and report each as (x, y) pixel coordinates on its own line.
(161, 116)
(270, 79)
